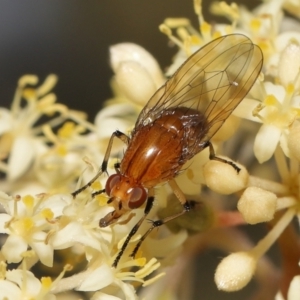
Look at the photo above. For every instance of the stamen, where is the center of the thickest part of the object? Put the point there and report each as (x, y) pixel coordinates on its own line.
(168, 32)
(47, 85)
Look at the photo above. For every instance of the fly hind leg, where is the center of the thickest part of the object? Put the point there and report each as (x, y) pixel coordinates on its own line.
(120, 135)
(213, 156)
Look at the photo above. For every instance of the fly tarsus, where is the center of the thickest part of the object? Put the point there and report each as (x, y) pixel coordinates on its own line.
(187, 206)
(212, 156)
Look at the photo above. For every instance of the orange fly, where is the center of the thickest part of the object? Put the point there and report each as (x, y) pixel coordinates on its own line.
(177, 123)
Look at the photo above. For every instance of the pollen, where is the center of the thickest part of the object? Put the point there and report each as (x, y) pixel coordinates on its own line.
(270, 100)
(216, 34)
(46, 282)
(47, 213)
(140, 261)
(196, 40)
(28, 201)
(205, 28)
(66, 130)
(23, 225)
(255, 24)
(62, 150)
(29, 94)
(266, 48)
(96, 185)
(102, 199)
(148, 268)
(290, 88)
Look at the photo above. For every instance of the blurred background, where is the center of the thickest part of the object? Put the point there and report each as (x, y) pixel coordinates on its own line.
(71, 39)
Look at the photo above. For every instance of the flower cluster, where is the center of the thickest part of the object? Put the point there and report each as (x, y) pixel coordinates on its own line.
(48, 150)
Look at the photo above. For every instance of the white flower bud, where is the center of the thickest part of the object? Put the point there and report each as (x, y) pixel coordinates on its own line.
(235, 271)
(294, 141)
(223, 178)
(135, 82)
(293, 292)
(257, 205)
(123, 52)
(289, 63)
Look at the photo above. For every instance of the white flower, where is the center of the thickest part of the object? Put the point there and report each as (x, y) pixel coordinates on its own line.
(80, 224)
(22, 284)
(280, 107)
(18, 135)
(27, 221)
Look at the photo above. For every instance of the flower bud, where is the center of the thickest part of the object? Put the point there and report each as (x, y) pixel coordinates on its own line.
(289, 63)
(257, 205)
(223, 178)
(235, 271)
(135, 82)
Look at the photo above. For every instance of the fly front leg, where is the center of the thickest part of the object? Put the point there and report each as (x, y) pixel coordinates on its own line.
(185, 205)
(213, 156)
(120, 135)
(147, 209)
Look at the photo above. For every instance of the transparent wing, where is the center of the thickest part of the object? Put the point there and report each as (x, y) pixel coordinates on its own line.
(213, 80)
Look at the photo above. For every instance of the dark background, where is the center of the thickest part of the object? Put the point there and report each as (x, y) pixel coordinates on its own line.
(71, 39)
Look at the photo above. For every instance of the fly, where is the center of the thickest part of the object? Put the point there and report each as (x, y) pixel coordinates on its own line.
(177, 123)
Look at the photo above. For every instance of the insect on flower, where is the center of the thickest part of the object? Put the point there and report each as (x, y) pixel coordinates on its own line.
(177, 123)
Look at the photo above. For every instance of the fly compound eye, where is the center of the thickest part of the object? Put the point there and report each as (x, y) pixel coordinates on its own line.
(111, 182)
(136, 197)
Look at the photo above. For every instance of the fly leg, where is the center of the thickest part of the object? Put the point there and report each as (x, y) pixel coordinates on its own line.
(120, 135)
(213, 156)
(147, 209)
(186, 207)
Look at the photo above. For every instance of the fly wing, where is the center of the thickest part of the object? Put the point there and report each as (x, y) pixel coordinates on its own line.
(214, 80)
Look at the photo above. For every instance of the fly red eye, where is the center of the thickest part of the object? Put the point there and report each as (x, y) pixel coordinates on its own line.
(137, 196)
(111, 182)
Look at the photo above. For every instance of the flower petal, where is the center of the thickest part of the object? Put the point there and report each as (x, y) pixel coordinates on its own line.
(13, 247)
(97, 279)
(9, 291)
(127, 289)
(266, 142)
(44, 251)
(32, 286)
(245, 109)
(65, 237)
(5, 120)
(102, 296)
(112, 117)
(4, 218)
(21, 156)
